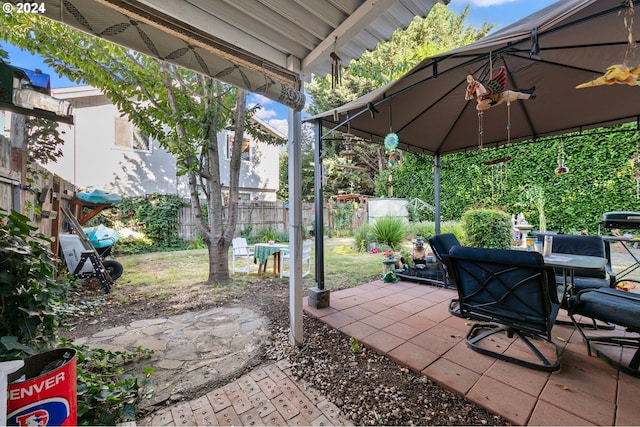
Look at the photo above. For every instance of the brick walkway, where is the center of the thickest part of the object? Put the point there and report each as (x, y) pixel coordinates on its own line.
(268, 395)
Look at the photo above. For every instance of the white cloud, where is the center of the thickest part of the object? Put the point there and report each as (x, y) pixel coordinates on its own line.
(280, 125)
(261, 99)
(263, 113)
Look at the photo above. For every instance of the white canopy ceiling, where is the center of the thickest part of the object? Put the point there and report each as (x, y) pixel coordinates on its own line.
(265, 46)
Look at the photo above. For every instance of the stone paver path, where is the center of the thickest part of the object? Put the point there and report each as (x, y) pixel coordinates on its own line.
(192, 351)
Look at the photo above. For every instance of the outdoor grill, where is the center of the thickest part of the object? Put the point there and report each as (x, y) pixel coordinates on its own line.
(624, 220)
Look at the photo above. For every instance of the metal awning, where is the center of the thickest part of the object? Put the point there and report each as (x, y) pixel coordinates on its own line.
(267, 47)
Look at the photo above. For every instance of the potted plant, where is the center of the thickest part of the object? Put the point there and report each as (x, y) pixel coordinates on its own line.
(535, 195)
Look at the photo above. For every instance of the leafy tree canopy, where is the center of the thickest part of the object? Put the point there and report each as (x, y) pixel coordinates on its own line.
(183, 110)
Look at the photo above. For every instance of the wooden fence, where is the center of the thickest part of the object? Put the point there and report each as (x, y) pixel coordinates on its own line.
(259, 216)
(34, 192)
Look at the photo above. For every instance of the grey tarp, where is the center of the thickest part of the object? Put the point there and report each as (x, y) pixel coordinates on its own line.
(576, 41)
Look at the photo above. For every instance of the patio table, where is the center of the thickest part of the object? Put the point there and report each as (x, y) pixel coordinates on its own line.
(570, 262)
(262, 252)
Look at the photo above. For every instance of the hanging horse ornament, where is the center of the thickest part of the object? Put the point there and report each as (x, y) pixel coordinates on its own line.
(495, 91)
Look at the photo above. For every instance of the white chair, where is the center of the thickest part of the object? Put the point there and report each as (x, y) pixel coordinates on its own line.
(240, 249)
(306, 258)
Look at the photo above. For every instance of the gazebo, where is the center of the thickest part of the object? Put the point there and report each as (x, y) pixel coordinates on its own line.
(578, 58)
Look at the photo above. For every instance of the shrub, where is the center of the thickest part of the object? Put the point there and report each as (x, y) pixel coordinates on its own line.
(428, 228)
(197, 243)
(29, 292)
(155, 216)
(363, 236)
(390, 230)
(134, 245)
(282, 236)
(246, 231)
(266, 234)
(487, 228)
(105, 395)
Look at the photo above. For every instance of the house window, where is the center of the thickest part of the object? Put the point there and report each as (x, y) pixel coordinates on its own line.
(128, 136)
(246, 148)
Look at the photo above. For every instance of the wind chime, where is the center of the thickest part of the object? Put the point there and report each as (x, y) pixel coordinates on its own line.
(561, 169)
(499, 172)
(336, 67)
(348, 141)
(349, 153)
(391, 141)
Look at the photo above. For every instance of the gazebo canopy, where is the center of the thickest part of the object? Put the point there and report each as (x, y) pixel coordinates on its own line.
(554, 50)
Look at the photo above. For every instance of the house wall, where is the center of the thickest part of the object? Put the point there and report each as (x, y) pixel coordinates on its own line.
(259, 170)
(92, 159)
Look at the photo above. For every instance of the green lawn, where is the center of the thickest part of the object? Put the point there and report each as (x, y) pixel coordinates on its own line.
(165, 273)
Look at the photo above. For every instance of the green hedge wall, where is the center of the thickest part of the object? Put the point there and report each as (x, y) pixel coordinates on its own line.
(602, 178)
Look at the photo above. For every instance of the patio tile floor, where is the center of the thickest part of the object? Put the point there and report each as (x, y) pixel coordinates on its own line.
(411, 324)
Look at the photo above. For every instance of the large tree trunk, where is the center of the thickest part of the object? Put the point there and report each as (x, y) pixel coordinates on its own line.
(221, 233)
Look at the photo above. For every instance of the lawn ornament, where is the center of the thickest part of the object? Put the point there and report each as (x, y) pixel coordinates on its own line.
(495, 91)
(616, 74)
(389, 277)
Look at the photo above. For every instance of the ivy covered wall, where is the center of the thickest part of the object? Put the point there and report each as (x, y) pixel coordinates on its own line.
(601, 178)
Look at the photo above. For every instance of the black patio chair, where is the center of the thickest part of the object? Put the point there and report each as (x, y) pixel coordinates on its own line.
(512, 292)
(441, 244)
(615, 307)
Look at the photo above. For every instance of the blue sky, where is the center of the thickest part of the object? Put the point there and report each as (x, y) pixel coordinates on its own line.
(499, 12)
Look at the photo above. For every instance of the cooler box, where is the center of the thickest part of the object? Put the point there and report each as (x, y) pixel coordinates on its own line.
(43, 392)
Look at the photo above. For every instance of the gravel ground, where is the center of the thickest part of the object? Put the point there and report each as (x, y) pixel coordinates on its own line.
(369, 388)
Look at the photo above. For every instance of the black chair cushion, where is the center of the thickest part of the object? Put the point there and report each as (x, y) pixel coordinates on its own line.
(608, 305)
